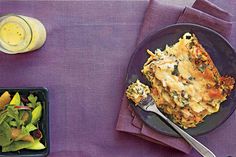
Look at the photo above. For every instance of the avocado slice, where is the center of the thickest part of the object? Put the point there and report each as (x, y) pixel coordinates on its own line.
(36, 114)
(15, 100)
(37, 145)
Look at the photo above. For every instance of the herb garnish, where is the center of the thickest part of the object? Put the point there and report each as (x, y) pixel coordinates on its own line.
(191, 78)
(191, 44)
(176, 71)
(202, 67)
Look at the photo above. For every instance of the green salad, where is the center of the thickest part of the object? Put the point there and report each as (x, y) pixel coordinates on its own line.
(19, 117)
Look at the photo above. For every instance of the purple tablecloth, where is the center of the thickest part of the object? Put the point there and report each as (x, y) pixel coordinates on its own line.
(83, 64)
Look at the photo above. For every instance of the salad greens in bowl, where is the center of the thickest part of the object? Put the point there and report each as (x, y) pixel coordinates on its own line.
(24, 122)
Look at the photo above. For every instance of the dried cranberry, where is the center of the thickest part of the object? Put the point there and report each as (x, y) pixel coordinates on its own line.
(25, 100)
(36, 134)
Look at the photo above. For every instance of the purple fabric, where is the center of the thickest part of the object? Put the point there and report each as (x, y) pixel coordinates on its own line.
(130, 123)
(155, 19)
(83, 64)
(191, 15)
(229, 6)
(204, 5)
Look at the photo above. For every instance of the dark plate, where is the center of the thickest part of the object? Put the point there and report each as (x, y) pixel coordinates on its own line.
(222, 54)
(42, 94)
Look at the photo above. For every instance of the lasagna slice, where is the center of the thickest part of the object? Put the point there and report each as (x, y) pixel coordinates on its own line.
(185, 82)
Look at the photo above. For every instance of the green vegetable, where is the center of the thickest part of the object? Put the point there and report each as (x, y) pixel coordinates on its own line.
(14, 114)
(202, 67)
(33, 101)
(26, 131)
(176, 71)
(191, 78)
(3, 116)
(185, 102)
(26, 116)
(9, 119)
(32, 98)
(17, 145)
(36, 114)
(16, 100)
(5, 134)
(13, 123)
(174, 93)
(37, 145)
(17, 124)
(30, 127)
(191, 44)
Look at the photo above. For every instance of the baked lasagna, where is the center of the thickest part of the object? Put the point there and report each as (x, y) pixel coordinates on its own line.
(185, 82)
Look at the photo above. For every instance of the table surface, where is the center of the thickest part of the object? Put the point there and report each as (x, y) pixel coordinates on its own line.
(83, 111)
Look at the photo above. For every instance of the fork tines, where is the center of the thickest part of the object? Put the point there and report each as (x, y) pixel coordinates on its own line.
(146, 102)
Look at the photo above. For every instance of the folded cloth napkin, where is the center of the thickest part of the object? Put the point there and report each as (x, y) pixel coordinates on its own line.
(203, 13)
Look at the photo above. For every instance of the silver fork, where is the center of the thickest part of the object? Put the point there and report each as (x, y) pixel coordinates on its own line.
(148, 104)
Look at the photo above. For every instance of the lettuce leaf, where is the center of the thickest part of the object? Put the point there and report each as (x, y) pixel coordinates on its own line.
(30, 127)
(5, 134)
(13, 113)
(33, 101)
(3, 116)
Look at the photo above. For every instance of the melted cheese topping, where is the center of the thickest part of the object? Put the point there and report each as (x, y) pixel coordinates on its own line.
(185, 82)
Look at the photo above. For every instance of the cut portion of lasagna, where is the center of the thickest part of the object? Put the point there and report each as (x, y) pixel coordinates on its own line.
(137, 91)
(185, 82)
